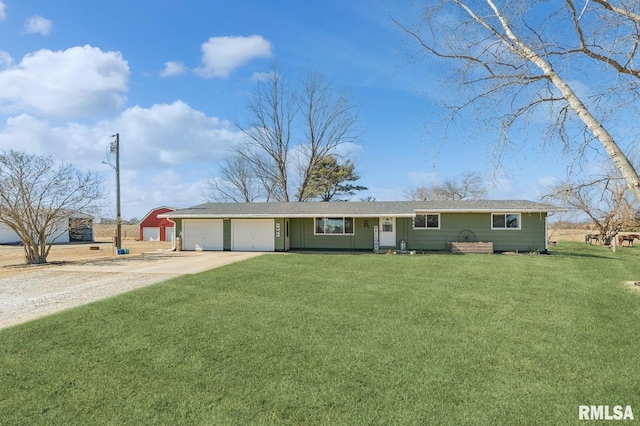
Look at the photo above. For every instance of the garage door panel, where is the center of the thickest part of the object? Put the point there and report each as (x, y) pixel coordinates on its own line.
(253, 235)
(151, 234)
(205, 234)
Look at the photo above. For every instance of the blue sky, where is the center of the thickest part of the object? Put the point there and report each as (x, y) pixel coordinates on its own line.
(168, 75)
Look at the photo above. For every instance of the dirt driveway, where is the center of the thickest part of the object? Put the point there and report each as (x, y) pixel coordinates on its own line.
(33, 292)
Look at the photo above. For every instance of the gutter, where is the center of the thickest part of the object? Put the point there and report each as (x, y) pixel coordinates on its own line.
(342, 214)
(281, 215)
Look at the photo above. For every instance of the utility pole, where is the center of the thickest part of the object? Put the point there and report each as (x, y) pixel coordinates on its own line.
(116, 148)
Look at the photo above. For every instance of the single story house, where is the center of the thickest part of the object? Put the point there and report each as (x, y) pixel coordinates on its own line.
(154, 228)
(409, 225)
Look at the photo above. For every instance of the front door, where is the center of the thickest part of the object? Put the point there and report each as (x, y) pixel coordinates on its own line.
(387, 232)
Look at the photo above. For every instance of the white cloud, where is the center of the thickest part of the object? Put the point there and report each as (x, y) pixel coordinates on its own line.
(162, 178)
(75, 143)
(168, 188)
(172, 69)
(77, 82)
(167, 151)
(160, 136)
(172, 134)
(5, 59)
(222, 55)
(38, 25)
(349, 150)
(3, 14)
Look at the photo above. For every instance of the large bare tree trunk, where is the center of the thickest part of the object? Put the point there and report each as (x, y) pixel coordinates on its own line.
(618, 157)
(511, 54)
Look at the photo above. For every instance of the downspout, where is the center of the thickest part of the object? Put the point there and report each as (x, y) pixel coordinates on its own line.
(173, 241)
(546, 231)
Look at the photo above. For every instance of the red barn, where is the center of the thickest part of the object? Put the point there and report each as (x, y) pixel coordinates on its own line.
(153, 228)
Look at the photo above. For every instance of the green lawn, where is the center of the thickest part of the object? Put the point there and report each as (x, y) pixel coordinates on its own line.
(341, 339)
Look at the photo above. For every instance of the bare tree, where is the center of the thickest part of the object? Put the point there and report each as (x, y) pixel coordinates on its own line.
(271, 111)
(238, 183)
(524, 56)
(329, 121)
(468, 187)
(288, 131)
(38, 196)
(606, 201)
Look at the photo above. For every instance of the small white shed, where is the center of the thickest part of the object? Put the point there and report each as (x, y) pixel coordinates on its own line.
(75, 229)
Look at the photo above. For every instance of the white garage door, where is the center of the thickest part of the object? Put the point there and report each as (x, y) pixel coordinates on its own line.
(204, 234)
(253, 235)
(150, 234)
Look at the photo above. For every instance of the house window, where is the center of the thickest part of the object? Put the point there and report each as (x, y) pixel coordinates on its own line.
(334, 225)
(427, 221)
(505, 221)
(387, 225)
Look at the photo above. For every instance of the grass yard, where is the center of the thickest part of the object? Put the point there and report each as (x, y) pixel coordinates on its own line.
(342, 339)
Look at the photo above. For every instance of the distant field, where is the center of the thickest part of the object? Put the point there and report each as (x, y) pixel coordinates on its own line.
(105, 233)
(568, 234)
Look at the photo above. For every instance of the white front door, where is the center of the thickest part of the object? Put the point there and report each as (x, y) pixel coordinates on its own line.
(387, 232)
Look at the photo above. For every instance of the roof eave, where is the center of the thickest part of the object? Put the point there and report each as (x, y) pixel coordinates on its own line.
(276, 216)
(490, 210)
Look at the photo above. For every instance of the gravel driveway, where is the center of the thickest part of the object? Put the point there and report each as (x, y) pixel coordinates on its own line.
(43, 290)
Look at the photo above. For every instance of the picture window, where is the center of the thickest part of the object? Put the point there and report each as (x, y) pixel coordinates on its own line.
(334, 225)
(426, 221)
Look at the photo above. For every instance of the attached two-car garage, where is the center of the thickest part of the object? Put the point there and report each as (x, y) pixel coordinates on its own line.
(245, 234)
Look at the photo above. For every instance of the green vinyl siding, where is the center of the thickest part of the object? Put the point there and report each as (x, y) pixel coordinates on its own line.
(530, 236)
(280, 241)
(178, 223)
(404, 230)
(226, 235)
(303, 237)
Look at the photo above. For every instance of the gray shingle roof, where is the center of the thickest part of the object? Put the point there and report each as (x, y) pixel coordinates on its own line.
(376, 208)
